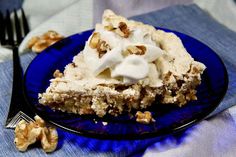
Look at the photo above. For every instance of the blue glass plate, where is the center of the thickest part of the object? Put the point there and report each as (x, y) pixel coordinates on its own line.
(169, 118)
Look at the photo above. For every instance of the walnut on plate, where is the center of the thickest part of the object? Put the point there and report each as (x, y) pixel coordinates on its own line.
(39, 43)
(144, 117)
(28, 133)
(58, 74)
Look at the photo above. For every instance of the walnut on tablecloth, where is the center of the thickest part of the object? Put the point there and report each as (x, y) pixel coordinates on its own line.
(39, 43)
(28, 133)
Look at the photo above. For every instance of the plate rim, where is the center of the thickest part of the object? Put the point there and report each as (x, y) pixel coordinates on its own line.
(161, 133)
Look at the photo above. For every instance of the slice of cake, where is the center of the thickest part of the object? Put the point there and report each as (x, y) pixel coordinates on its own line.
(125, 65)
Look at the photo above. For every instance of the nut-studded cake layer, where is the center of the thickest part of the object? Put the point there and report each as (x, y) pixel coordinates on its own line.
(113, 99)
(116, 99)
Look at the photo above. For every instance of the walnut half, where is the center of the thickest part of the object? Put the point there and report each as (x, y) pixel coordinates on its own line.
(39, 43)
(28, 133)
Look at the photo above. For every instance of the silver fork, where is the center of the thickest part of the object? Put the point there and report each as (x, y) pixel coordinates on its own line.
(18, 107)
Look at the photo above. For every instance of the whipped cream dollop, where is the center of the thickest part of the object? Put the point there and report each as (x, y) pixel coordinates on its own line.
(128, 58)
(132, 67)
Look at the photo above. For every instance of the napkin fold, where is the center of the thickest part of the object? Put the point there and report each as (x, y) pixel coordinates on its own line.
(204, 137)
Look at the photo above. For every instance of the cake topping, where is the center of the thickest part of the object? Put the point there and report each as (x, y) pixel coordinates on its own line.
(125, 57)
(133, 67)
(131, 63)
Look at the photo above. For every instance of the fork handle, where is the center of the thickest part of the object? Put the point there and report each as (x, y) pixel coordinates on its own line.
(18, 102)
(17, 71)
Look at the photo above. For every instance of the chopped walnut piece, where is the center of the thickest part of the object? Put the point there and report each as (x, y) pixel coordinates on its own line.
(73, 64)
(109, 28)
(28, 133)
(144, 118)
(124, 29)
(191, 95)
(96, 43)
(57, 73)
(167, 76)
(39, 43)
(102, 48)
(194, 70)
(137, 50)
(94, 40)
(142, 48)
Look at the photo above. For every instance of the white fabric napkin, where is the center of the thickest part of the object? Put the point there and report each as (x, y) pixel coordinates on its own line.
(66, 18)
(5, 54)
(210, 138)
(70, 20)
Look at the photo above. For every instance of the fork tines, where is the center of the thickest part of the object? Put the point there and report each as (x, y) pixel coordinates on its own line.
(9, 29)
(25, 23)
(6, 28)
(17, 27)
